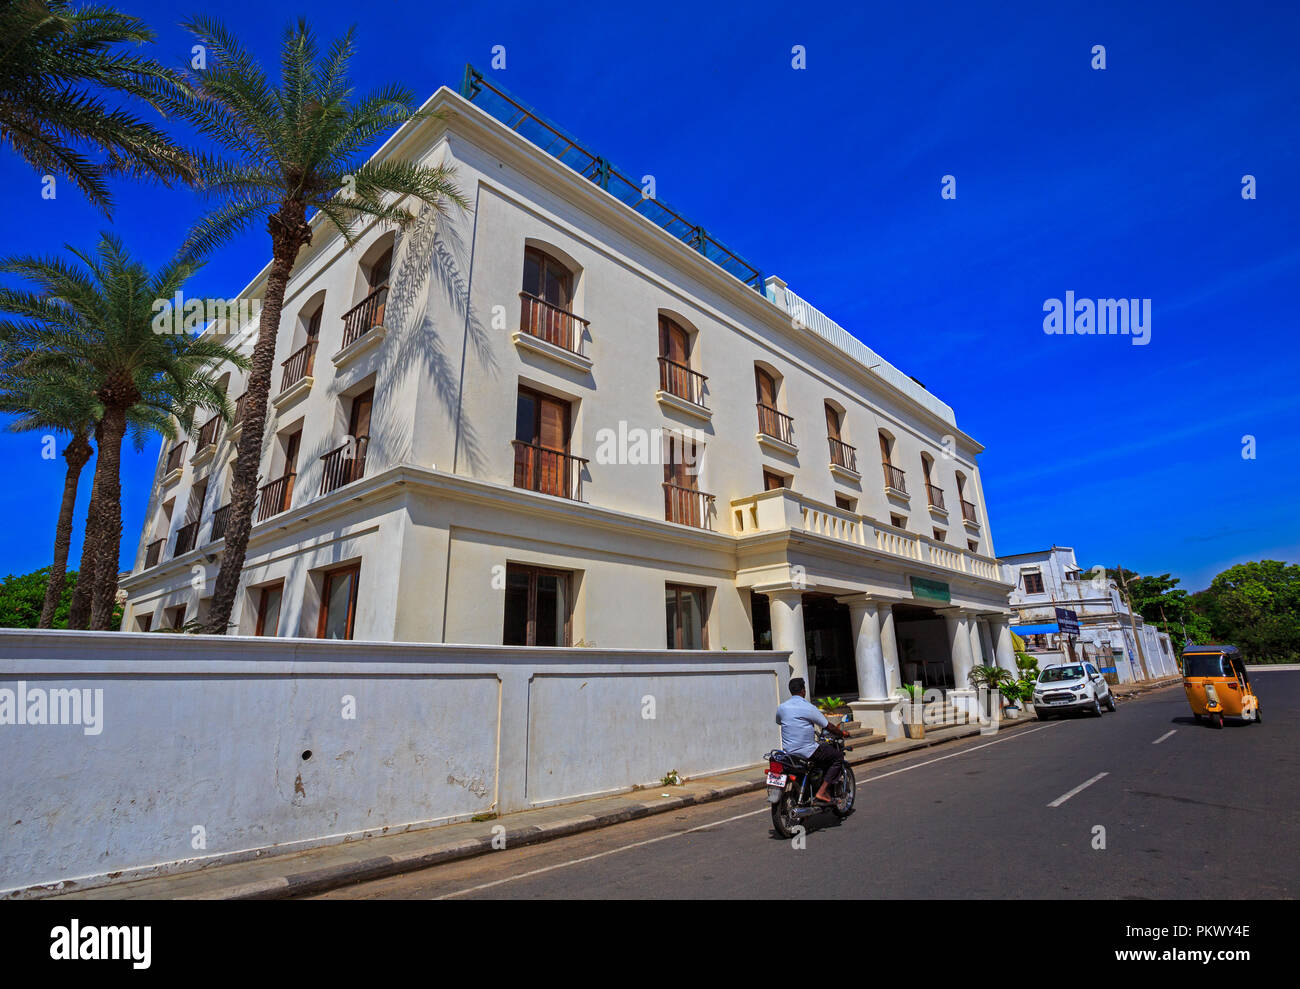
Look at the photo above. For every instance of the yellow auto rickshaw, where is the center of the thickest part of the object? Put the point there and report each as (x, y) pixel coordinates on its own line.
(1217, 685)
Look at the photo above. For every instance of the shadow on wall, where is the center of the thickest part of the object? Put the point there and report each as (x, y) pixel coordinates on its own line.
(433, 255)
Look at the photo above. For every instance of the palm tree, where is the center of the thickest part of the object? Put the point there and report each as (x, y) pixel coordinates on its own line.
(290, 150)
(56, 400)
(55, 60)
(98, 316)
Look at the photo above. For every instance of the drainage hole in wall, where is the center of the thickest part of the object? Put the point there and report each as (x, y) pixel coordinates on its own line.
(306, 755)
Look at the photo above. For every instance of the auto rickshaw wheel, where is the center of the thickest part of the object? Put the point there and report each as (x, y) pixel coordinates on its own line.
(1259, 717)
(1217, 720)
(1198, 718)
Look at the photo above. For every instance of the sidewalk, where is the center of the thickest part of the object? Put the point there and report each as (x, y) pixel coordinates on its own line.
(1123, 690)
(320, 869)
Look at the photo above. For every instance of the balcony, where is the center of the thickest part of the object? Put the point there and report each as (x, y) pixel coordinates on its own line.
(783, 509)
(687, 506)
(968, 512)
(344, 464)
(363, 317)
(296, 379)
(776, 429)
(682, 388)
(552, 472)
(219, 522)
(844, 460)
(207, 441)
(153, 551)
(185, 538)
(935, 497)
(175, 464)
(274, 497)
(895, 480)
(557, 327)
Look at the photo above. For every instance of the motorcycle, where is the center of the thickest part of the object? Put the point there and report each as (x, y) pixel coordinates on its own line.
(792, 781)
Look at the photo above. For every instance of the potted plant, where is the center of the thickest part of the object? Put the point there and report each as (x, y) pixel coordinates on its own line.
(992, 680)
(834, 707)
(913, 724)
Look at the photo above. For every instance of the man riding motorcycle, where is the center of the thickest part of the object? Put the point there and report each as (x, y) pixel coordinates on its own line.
(799, 721)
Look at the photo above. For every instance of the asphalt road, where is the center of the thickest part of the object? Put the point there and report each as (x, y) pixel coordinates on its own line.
(1187, 812)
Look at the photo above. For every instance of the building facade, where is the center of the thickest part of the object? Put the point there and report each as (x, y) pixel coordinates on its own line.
(1050, 579)
(551, 421)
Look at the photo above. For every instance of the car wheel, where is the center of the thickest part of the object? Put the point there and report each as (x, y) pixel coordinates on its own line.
(1110, 702)
(1096, 707)
(1041, 715)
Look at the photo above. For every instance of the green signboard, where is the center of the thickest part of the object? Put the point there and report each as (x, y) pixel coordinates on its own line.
(931, 590)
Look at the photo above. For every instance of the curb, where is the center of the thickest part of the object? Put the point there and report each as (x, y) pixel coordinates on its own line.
(333, 877)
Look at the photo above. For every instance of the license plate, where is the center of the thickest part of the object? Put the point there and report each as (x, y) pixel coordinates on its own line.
(776, 779)
(1062, 700)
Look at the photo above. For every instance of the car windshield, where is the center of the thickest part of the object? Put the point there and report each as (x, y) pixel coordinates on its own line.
(1055, 674)
(1212, 665)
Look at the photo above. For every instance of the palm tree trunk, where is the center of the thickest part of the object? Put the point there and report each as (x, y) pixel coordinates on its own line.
(104, 591)
(76, 454)
(289, 232)
(79, 612)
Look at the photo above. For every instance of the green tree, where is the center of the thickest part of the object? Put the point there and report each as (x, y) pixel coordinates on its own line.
(98, 315)
(56, 399)
(289, 150)
(56, 64)
(22, 600)
(1256, 607)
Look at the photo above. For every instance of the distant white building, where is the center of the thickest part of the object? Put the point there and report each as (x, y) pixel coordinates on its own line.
(1051, 579)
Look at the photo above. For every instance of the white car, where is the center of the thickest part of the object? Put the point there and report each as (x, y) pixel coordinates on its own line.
(1071, 687)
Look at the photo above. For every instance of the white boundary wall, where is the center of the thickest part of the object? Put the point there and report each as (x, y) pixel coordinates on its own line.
(211, 733)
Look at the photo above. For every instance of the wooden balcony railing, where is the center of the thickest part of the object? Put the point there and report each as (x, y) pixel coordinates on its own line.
(775, 424)
(175, 457)
(274, 497)
(678, 379)
(219, 522)
(894, 478)
(344, 464)
(153, 551)
(687, 506)
(185, 537)
(552, 472)
(538, 318)
(843, 455)
(935, 496)
(208, 434)
(364, 316)
(238, 417)
(298, 365)
(968, 511)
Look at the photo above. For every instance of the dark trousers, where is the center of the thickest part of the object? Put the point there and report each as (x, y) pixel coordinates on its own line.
(829, 758)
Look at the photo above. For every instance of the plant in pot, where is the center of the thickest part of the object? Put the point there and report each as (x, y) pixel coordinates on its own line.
(913, 723)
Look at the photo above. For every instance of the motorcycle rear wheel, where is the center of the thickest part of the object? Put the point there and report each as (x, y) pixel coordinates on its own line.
(848, 790)
(783, 820)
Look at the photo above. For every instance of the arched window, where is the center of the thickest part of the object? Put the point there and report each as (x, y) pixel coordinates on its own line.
(676, 375)
(842, 454)
(895, 479)
(547, 301)
(933, 493)
(771, 421)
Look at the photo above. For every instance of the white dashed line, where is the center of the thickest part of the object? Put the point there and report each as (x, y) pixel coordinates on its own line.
(1078, 789)
(1164, 736)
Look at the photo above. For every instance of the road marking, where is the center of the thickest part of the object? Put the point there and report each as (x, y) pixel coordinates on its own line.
(1164, 736)
(714, 824)
(1078, 789)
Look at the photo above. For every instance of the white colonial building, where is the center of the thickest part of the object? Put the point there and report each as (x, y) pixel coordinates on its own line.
(570, 416)
(1051, 579)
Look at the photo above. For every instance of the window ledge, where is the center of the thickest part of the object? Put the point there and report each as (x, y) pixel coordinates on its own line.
(970, 524)
(294, 392)
(779, 446)
(846, 474)
(372, 338)
(941, 512)
(201, 457)
(172, 476)
(898, 495)
(537, 345)
(671, 401)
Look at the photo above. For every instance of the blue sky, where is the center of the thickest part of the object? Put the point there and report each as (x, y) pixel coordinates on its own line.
(1124, 182)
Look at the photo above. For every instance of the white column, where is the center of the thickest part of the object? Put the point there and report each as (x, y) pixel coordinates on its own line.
(786, 608)
(976, 643)
(959, 643)
(1006, 647)
(875, 705)
(889, 648)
